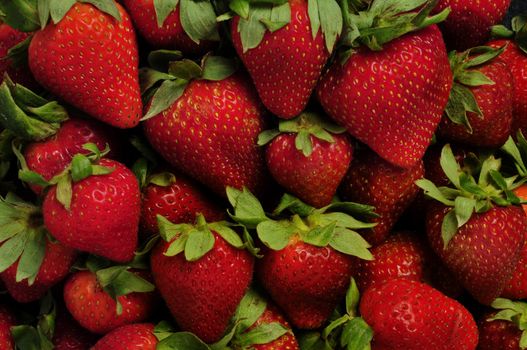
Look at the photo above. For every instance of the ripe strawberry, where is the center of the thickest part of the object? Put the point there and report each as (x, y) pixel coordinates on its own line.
(133, 336)
(7, 320)
(390, 189)
(391, 99)
(69, 335)
(498, 334)
(201, 284)
(469, 22)
(93, 307)
(89, 59)
(306, 159)
(285, 62)
(411, 315)
(9, 37)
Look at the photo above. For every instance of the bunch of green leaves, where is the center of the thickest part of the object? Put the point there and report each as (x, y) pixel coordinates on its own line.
(517, 153)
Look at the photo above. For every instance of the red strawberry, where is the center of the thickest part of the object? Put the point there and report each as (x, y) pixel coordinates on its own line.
(7, 320)
(69, 335)
(133, 336)
(90, 60)
(307, 160)
(285, 64)
(103, 216)
(411, 315)
(390, 189)
(202, 285)
(10, 37)
(469, 22)
(498, 334)
(391, 99)
(94, 309)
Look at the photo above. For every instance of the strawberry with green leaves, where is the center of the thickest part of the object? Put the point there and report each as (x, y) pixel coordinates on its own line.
(310, 254)
(479, 111)
(308, 157)
(504, 328)
(391, 87)
(284, 45)
(477, 227)
(138, 335)
(202, 272)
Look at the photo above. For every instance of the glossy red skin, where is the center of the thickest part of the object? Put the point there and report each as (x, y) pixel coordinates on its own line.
(130, 337)
(7, 320)
(211, 134)
(516, 60)
(69, 335)
(95, 310)
(305, 281)
(409, 315)
(273, 315)
(170, 36)
(90, 60)
(287, 64)
(371, 180)
(392, 100)
(468, 24)
(402, 255)
(55, 267)
(49, 157)
(313, 179)
(104, 214)
(179, 203)
(484, 252)
(203, 295)
(495, 102)
(502, 335)
(10, 37)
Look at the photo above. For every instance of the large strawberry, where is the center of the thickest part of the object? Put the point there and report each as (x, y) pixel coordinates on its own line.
(393, 87)
(411, 315)
(503, 329)
(133, 336)
(202, 272)
(284, 47)
(308, 157)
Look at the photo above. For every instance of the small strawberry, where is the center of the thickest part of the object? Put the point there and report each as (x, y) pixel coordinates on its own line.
(411, 315)
(284, 48)
(308, 157)
(7, 320)
(373, 181)
(504, 329)
(132, 336)
(394, 84)
(202, 272)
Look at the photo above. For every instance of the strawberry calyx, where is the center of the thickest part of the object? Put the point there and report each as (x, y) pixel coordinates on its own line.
(163, 89)
(464, 67)
(518, 31)
(28, 115)
(170, 339)
(475, 190)
(293, 220)
(512, 311)
(517, 152)
(304, 126)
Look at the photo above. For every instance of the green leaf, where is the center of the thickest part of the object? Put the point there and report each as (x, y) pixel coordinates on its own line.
(227, 234)
(148, 78)
(344, 220)
(319, 236)
(314, 17)
(274, 234)
(64, 191)
(481, 55)
(164, 8)
(449, 227)
(331, 22)
(11, 250)
(262, 334)
(217, 68)
(523, 340)
(280, 16)
(199, 243)
(293, 205)
(240, 7)
(351, 243)
(99, 170)
(303, 143)
(474, 78)
(140, 170)
(163, 179)
(464, 208)
(357, 334)
(105, 6)
(20, 14)
(26, 337)
(163, 330)
(250, 309)
(81, 167)
(352, 298)
(185, 69)
(160, 59)
(450, 165)
(32, 177)
(334, 325)
(267, 136)
(252, 29)
(182, 341)
(59, 8)
(199, 20)
(247, 209)
(168, 230)
(168, 93)
(32, 258)
(432, 191)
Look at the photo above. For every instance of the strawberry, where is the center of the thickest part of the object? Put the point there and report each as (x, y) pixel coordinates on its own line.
(69, 335)
(7, 320)
(308, 157)
(411, 315)
(9, 38)
(202, 272)
(139, 336)
(391, 91)
(504, 328)
(284, 48)
(479, 112)
(166, 26)
(469, 22)
(390, 189)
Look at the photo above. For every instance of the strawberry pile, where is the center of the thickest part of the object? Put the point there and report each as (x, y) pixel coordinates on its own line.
(262, 175)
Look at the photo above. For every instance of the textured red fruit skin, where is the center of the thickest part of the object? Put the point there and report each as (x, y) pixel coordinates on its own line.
(51, 156)
(305, 281)
(55, 267)
(203, 295)
(69, 335)
(495, 102)
(409, 315)
(179, 203)
(402, 255)
(170, 36)
(392, 100)
(287, 64)
(91, 61)
(502, 335)
(104, 214)
(7, 320)
(9, 37)
(371, 180)
(130, 337)
(211, 134)
(484, 252)
(95, 310)
(468, 24)
(313, 179)
(273, 315)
